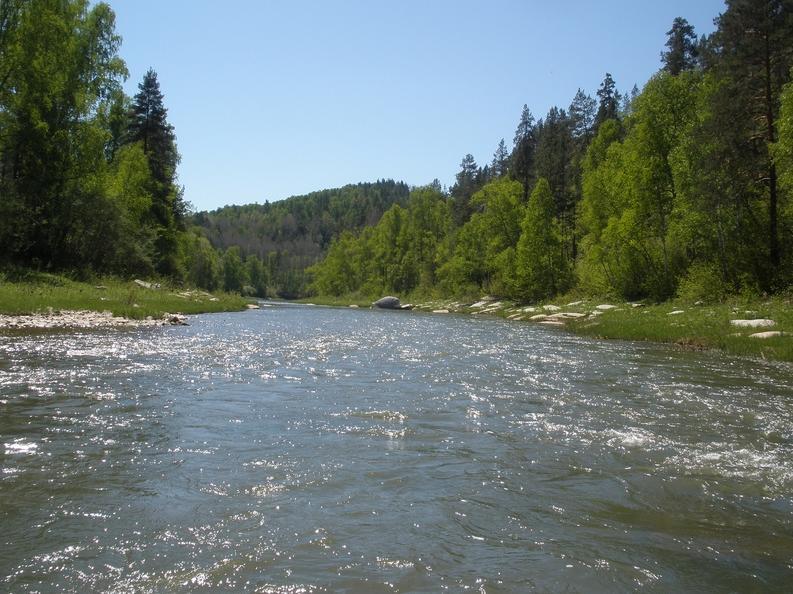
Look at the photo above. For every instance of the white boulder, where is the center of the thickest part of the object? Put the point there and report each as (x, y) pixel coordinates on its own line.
(758, 323)
(771, 334)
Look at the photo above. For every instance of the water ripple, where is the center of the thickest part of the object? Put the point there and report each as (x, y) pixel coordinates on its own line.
(307, 449)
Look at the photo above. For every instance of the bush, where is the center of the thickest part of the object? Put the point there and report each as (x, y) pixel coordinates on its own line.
(702, 282)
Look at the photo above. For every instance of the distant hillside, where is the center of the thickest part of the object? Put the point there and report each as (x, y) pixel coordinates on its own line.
(294, 233)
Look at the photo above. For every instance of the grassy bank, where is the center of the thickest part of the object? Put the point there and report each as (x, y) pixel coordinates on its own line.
(41, 292)
(701, 327)
(684, 324)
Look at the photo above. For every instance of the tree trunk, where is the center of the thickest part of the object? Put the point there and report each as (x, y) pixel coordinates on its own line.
(773, 239)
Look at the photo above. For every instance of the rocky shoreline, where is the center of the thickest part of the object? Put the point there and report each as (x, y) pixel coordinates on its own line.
(578, 313)
(80, 320)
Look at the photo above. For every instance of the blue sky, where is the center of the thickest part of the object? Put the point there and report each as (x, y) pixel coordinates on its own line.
(272, 99)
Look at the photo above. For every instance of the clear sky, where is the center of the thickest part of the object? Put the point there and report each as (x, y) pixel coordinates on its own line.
(272, 99)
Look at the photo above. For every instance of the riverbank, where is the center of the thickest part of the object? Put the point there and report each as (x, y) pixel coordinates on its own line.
(50, 301)
(760, 328)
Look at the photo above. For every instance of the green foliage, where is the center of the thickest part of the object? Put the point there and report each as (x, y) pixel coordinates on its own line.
(398, 255)
(608, 101)
(292, 234)
(523, 152)
(257, 276)
(484, 249)
(59, 62)
(683, 189)
(466, 184)
(682, 50)
(541, 269)
(630, 199)
(702, 283)
(783, 157)
(752, 55)
(234, 273)
(203, 264)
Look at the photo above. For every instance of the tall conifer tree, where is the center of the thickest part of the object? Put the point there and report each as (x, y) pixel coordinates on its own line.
(609, 100)
(148, 125)
(754, 49)
(525, 145)
(682, 48)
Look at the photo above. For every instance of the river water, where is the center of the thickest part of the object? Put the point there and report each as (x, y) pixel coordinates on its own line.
(302, 449)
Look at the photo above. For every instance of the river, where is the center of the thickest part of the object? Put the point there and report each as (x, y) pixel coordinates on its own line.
(310, 449)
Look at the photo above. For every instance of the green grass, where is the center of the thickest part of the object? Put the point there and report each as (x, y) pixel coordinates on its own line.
(699, 327)
(40, 292)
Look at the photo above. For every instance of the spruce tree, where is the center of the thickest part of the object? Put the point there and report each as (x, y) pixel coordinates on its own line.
(525, 144)
(148, 125)
(582, 113)
(468, 179)
(683, 50)
(609, 101)
(500, 163)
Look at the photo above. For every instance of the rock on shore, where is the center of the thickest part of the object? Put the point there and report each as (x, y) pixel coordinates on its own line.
(388, 302)
(756, 323)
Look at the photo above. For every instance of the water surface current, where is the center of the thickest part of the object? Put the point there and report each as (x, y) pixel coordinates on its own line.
(308, 449)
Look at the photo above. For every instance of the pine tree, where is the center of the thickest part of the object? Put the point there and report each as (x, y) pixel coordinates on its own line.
(582, 113)
(683, 50)
(628, 102)
(525, 126)
(609, 101)
(525, 144)
(467, 183)
(500, 164)
(553, 163)
(148, 124)
(754, 42)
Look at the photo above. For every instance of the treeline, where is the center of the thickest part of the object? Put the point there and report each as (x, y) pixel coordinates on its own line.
(88, 175)
(682, 189)
(290, 235)
(88, 181)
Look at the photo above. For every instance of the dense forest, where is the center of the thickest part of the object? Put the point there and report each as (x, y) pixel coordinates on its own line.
(682, 189)
(290, 235)
(88, 180)
(88, 175)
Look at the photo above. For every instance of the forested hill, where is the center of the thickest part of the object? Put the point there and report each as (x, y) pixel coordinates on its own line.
(681, 189)
(294, 233)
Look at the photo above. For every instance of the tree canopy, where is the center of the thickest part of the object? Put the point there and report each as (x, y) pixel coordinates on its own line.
(684, 184)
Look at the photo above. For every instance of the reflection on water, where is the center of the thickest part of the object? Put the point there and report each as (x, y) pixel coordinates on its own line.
(300, 449)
